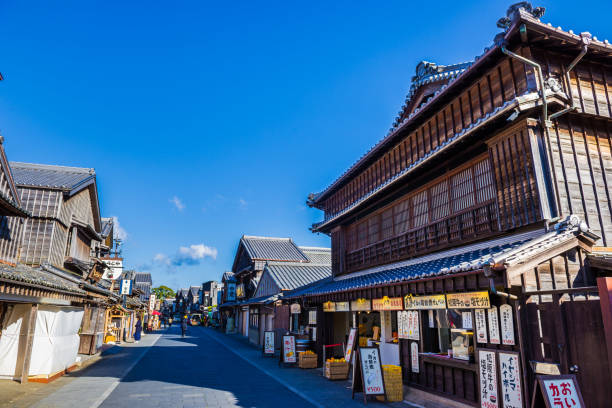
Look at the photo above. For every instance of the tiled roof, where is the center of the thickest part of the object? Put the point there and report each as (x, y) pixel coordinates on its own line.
(194, 290)
(277, 249)
(227, 276)
(183, 292)
(508, 251)
(50, 176)
(262, 299)
(143, 277)
(289, 276)
(27, 275)
(107, 226)
(317, 255)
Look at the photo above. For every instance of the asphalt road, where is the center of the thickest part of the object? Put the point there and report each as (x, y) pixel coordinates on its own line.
(197, 371)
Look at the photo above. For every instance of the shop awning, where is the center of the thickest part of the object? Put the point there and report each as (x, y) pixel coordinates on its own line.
(515, 254)
(262, 300)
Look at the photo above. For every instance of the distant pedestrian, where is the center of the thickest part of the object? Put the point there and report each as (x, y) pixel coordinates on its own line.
(170, 322)
(138, 330)
(183, 327)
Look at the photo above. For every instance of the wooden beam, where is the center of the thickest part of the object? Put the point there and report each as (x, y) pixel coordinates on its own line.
(26, 340)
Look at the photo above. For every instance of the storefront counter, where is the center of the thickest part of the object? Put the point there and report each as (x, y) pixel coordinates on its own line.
(440, 359)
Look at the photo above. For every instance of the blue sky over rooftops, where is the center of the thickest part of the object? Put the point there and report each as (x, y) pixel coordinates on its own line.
(208, 121)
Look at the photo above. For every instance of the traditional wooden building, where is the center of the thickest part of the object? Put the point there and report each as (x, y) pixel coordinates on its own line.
(484, 216)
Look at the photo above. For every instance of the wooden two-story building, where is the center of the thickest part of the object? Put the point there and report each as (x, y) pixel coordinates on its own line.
(477, 231)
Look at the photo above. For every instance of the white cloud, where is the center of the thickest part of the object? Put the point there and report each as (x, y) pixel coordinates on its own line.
(187, 255)
(118, 231)
(243, 203)
(177, 203)
(162, 259)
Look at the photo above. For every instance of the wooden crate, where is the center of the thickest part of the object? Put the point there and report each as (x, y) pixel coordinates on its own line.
(307, 360)
(336, 371)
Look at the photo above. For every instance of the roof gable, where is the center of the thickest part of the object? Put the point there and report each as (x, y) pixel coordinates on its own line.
(290, 276)
(267, 249)
(9, 197)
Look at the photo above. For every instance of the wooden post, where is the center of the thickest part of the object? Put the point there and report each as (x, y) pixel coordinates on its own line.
(26, 339)
(605, 302)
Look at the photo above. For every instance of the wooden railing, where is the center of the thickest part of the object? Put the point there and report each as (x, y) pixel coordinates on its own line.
(464, 226)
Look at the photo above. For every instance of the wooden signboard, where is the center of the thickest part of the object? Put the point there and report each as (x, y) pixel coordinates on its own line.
(369, 376)
(342, 306)
(510, 379)
(481, 326)
(493, 325)
(329, 307)
(268, 348)
(424, 302)
(507, 325)
(487, 367)
(554, 391)
(414, 356)
(386, 303)
(468, 300)
(361, 305)
(350, 346)
(288, 354)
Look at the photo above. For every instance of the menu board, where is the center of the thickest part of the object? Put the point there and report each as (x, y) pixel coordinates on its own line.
(424, 302)
(312, 317)
(510, 377)
(414, 356)
(350, 345)
(289, 349)
(269, 342)
(481, 326)
(361, 305)
(329, 307)
(488, 379)
(493, 325)
(408, 325)
(371, 371)
(560, 391)
(387, 303)
(342, 306)
(466, 319)
(468, 300)
(507, 324)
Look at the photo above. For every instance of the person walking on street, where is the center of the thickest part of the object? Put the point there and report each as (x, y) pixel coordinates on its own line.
(170, 321)
(183, 327)
(138, 330)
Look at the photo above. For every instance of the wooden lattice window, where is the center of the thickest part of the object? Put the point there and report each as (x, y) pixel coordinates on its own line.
(439, 201)
(387, 224)
(420, 207)
(462, 186)
(401, 220)
(362, 234)
(485, 190)
(374, 229)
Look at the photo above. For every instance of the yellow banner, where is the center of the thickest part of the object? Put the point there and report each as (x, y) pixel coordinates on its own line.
(387, 304)
(361, 305)
(424, 302)
(468, 300)
(329, 307)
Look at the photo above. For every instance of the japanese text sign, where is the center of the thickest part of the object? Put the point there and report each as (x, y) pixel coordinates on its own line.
(468, 300)
(488, 379)
(371, 370)
(350, 345)
(269, 342)
(481, 326)
(414, 356)
(342, 306)
(329, 307)
(561, 391)
(361, 305)
(424, 302)
(387, 303)
(493, 325)
(289, 349)
(507, 324)
(510, 377)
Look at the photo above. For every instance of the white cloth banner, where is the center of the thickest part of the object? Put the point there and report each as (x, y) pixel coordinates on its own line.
(9, 341)
(56, 339)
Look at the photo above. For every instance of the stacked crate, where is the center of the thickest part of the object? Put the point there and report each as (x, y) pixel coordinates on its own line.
(394, 388)
(336, 370)
(307, 360)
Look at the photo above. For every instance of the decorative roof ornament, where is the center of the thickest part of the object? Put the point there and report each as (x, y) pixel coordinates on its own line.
(505, 22)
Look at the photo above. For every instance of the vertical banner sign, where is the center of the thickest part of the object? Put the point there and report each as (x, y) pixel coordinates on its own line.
(488, 379)
(510, 377)
(269, 342)
(126, 287)
(312, 317)
(507, 324)
(466, 318)
(313, 331)
(371, 371)
(350, 345)
(481, 325)
(560, 391)
(289, 349)
(432, 324)
(413, 325)
(493, 325)
(414, 356)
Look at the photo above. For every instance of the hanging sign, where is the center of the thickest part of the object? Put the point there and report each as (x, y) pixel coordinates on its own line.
(510, 378)
(313, 333)
(507, 324)
(402, 325)
(488, 379)
(558, 391)
(424, 302)
(329, 307)
(412, 318)
(231, 292)
(468, 300)
(295, 308)
(361, 305)
(432, 323)
(481, 325)
(126, 287)
(312, 317)
(269, 342)
(414, 356)
(388, 303)
(289, 349)
(466, 320)
(342, 306)
(371, 371)
(240, 291)
(493, 325)
(350, 345)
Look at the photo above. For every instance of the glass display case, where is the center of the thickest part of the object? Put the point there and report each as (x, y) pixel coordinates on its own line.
(462, 341)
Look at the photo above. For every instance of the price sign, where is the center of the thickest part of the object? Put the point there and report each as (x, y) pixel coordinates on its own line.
(510, 377)
(414, 356)
(481, 325)
(350, 345)
(413, 325)
(371, 371)
(289, 349)
(507, 324)
(269, 342)
(493, 325)
(488, 379)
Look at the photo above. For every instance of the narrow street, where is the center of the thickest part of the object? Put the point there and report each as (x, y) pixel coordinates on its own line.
(195, 371)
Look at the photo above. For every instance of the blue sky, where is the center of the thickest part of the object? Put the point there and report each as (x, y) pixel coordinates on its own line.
(205, 121)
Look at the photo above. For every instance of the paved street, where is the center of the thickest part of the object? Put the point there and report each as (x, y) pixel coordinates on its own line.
(204, 369)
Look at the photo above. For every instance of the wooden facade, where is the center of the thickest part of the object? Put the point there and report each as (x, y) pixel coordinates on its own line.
(518, 142)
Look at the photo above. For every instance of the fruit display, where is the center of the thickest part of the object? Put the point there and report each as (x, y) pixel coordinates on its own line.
(336, 368)
(307, 359)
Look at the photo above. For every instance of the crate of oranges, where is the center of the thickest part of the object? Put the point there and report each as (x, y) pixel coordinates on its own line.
(307, 359)
(336, 369)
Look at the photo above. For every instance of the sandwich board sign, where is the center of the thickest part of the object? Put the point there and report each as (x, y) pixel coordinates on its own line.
(369, 373)
(268, 343)
(289, 350)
